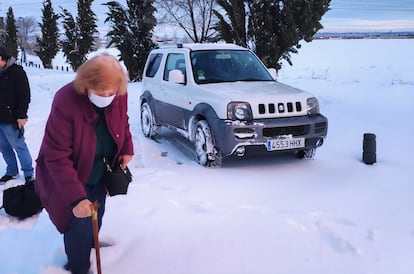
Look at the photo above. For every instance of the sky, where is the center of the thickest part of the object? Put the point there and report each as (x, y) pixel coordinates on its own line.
(369, 15)
(258, 214)
(345, 15)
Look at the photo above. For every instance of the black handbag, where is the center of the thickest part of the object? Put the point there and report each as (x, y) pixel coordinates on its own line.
(22, 201)
(116, 179)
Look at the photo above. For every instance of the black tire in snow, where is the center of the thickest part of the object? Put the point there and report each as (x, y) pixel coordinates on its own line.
(149, 126)
(206, 152)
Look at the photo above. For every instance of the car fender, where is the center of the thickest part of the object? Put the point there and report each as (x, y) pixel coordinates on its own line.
(202, 111)
(147, 97)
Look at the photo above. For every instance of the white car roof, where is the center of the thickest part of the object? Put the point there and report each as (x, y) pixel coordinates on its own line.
(203, 46)
(206, 46)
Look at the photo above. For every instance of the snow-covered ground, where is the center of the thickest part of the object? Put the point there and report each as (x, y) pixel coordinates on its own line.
(257, 215)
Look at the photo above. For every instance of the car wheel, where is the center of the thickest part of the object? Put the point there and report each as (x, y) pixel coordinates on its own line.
(206, 152)
(149, 126)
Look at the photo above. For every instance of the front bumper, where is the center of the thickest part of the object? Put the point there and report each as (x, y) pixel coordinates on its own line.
(233, 136)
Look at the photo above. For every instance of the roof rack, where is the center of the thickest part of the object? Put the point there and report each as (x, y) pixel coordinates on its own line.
(169, 45)
(201, 46)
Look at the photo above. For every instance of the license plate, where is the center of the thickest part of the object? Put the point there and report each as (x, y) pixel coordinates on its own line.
(285, 143)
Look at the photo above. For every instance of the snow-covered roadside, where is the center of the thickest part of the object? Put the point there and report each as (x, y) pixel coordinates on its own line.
(264, 214)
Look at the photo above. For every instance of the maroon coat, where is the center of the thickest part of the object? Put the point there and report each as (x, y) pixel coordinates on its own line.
(68, 148)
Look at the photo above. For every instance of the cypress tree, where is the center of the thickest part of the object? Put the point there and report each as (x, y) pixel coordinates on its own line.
(70, 43)
(48, 43)
(234, 30)
(86, 21)
(80, 38)
(10, 41)
(131, 33)
(277, 26)
(2, 31)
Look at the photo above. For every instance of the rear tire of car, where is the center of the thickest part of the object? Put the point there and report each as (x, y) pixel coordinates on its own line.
(149, 126)
(206, 152)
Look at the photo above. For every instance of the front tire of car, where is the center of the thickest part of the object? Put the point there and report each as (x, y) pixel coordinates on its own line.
(149, 126)
(206, 152)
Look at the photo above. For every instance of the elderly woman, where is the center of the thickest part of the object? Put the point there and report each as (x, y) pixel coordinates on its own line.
(87, 123)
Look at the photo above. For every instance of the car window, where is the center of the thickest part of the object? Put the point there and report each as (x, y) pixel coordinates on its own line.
(174, 61)
(153, 64)
(214, 66)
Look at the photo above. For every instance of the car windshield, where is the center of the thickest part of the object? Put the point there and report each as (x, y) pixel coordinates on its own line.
(216, 66)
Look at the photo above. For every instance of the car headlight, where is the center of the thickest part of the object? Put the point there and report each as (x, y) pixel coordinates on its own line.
(313, 106)
(239, 111)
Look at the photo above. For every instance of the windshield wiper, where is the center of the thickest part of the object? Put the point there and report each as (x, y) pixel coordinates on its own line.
(253, 80)
(210, 81)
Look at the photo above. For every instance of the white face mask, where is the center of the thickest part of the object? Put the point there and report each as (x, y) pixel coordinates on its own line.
(100, 101)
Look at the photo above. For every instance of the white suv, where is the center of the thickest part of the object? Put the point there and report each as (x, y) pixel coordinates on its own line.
(223, 99)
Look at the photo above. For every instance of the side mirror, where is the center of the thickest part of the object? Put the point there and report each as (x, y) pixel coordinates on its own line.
(273, 73)
(176, 76)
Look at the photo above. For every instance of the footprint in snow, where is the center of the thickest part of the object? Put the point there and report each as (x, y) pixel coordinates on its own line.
(337, 243)
(194, 206)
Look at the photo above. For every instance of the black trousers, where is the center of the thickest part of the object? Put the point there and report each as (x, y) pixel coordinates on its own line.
(78, 237)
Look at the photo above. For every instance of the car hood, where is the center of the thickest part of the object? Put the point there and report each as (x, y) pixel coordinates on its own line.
(263, 97)
(242, 91)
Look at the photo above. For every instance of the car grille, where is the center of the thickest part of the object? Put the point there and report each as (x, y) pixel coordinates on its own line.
(279, 131)
(280, 108)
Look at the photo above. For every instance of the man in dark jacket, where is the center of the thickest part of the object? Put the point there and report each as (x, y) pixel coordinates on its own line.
(14, 103)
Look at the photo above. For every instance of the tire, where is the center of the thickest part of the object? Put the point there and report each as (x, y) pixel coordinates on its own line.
(205, 150)
(149, 126)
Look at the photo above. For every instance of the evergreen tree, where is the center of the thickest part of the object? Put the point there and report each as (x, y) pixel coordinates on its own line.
(69, 44)
(277, 26)
(234, 30)
(10, 41)
(2, 31)
(131, 33)
(86, 21)
(48, 43)
(80, 38)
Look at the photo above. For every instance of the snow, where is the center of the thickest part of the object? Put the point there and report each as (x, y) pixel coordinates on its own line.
(259, 214)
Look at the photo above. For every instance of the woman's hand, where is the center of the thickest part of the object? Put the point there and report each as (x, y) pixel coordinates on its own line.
(83, 209)
(124, 160)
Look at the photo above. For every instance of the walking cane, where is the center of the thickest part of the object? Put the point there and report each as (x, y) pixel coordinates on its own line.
(94, 208)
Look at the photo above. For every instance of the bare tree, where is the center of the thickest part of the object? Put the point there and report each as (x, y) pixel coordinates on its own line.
(194, 17)
(26, 27)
